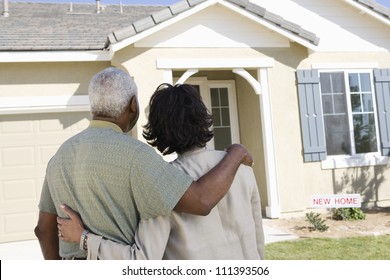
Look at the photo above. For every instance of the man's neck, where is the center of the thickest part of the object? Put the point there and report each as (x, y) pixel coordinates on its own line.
(112, 120)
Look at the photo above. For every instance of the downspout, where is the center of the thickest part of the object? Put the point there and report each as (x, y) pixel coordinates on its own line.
(5, 8)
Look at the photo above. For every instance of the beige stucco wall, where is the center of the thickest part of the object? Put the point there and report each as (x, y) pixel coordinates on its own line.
(297, 180)
(47, 79)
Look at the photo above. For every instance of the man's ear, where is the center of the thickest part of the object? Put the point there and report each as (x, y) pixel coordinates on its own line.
(133, 104)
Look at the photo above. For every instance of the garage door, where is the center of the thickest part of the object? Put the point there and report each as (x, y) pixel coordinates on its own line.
(27, 142)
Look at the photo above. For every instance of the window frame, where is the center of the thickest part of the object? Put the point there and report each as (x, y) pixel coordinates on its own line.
(233, 114)
(354, 160)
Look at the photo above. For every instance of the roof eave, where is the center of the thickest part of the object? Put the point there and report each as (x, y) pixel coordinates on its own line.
(118, 40)
(301, 36)
(376, 11)
(54, 56)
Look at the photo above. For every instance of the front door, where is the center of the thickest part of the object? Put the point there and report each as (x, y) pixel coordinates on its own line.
(220, 98)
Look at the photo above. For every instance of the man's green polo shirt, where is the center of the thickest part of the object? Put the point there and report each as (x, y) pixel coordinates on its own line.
(112, 180)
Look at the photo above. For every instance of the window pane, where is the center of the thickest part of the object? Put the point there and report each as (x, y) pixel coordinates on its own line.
(216, 116)
(338, 84)
(214, 97)
(225, 117)
(365, 82)
(224, 97)
(365, 134)
(356, 103)
(337, 135)
(354, 82)
(340, 104)
(332, 82)
(197, 88)
(326, 86)
(222, 138)
(327, 104)
(367, 102)
(334, 105)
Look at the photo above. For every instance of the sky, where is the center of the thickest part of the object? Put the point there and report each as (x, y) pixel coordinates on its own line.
(146, 2)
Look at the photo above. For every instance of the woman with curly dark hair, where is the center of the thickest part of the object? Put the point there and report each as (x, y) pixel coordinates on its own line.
(179, 122)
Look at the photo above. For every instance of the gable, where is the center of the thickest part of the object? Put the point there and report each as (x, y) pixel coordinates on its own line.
(216, 26)
(178, 12)
(341, 25)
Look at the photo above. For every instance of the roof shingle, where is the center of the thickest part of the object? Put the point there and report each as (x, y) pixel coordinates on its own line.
(51, 26)
(59, 26)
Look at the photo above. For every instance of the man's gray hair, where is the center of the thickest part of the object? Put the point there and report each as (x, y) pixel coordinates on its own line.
(110, 91)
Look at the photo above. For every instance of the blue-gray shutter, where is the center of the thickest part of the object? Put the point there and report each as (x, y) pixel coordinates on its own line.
(312, 123)
(382, 89)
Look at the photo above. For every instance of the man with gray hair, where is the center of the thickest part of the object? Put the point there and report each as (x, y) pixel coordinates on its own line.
(113, 180)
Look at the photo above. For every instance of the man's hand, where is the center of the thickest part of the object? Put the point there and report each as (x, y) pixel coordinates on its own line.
(71, 229)
(246, 156)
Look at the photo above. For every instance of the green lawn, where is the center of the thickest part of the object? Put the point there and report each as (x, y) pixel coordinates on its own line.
(354, 248)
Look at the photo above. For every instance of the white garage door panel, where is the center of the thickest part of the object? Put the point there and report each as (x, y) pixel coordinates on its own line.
(27, 142)
(18, 190)
(18, 226)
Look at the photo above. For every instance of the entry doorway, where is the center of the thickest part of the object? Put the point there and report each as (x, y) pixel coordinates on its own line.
(220, 99)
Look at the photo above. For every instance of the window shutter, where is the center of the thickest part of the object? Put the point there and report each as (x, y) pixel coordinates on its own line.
(312, 124)
(382, 89)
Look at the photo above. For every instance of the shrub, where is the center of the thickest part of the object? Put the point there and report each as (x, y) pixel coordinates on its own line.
(348, 214)
(316, 221)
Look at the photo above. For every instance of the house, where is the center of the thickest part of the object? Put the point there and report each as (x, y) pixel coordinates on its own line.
(304, 85)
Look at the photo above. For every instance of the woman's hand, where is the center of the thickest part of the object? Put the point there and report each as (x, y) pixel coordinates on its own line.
(70, 229)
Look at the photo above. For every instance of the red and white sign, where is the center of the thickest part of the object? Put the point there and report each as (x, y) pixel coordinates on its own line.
(336, 201)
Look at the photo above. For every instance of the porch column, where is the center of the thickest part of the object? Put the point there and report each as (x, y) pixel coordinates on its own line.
(273, 207)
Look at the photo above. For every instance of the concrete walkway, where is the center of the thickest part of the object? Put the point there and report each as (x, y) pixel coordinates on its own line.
(30, 250)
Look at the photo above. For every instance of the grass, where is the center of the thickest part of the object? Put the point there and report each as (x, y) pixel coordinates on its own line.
(353, 248)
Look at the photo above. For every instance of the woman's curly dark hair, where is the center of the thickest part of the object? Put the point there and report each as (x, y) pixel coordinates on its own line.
(178, 119)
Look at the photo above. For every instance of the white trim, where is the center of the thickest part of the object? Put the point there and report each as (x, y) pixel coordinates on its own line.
(233, 113)
(368, 65)
(186, 75)
(54, 56)
(273, 207)
(332, 162)
(114, 47)
(368, 11)
(287, 34)
(214, 63)
(249, 78)
(355, 160)
(43, 104)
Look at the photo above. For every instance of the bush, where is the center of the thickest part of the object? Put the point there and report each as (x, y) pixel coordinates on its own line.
(348, 214)
(316, 221)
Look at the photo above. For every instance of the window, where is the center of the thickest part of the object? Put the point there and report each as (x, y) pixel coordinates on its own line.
(345, 116)
(349, 113)
(221, 117)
